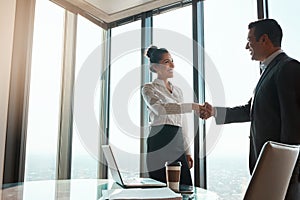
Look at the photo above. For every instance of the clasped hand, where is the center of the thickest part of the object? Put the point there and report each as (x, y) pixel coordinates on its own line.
(204, 111)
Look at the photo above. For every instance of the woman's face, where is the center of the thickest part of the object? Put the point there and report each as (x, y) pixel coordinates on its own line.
(164, 68)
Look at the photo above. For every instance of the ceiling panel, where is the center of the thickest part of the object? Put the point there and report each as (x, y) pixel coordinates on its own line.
(114, 6)
(104, 12)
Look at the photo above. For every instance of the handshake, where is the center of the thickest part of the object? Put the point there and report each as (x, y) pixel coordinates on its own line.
(204, 111)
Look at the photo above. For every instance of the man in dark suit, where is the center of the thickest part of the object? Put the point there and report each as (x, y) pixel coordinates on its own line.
(274, 110)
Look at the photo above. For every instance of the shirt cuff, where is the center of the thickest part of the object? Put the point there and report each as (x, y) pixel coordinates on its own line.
(216, 112)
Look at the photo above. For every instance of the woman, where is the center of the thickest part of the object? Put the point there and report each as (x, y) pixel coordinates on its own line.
(168, 139)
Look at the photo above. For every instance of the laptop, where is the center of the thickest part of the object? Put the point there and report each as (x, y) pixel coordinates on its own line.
(131, 182)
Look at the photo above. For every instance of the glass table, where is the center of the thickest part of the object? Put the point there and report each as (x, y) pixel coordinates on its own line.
(76, 189)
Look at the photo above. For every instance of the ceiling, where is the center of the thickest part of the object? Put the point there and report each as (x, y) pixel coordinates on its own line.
(104, 12)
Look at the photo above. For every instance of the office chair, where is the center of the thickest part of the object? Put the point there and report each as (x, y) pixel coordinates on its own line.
(272, 172)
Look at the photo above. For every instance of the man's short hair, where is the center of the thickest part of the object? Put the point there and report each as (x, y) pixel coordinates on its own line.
(269, 27)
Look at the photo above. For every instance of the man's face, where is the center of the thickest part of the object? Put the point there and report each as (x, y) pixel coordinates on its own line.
(256, 48)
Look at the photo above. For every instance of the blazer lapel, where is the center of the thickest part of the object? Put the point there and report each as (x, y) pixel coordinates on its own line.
(270, 68)
(268, 71)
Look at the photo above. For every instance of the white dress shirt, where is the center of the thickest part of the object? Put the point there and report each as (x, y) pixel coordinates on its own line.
(264, 64)
(167, 107)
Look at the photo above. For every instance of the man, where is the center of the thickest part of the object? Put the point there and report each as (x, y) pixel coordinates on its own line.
(274, 110)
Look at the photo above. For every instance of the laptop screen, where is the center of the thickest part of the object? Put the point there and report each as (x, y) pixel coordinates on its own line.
(116, 174)
(112, 164)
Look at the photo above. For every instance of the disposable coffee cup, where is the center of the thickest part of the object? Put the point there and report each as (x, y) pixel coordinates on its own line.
(173, 170)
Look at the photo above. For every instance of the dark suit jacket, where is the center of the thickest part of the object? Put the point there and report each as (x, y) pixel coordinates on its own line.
(274, 112)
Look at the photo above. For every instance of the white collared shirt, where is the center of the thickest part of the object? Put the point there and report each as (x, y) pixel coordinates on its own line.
(264, 64)
(167, 107)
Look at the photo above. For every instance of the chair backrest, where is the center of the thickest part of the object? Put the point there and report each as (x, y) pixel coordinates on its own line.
(272, 172)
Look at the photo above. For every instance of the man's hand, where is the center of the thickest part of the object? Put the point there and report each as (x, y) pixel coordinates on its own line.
(206, 111)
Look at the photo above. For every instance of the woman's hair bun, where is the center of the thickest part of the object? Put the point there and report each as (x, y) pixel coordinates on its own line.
(150, 51)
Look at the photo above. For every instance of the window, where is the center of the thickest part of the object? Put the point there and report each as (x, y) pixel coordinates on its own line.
(173, 31)
(124, 122)
(289, 27)
(225, 35)
(88, 66)
(43, 111)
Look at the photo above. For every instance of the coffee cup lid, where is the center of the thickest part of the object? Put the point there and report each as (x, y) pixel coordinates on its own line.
(177, 163)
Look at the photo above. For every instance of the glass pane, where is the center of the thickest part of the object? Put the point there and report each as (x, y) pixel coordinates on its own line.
(44, 98)
(286, 18)
(230, 71)
(87, 98)
(173, 31)
(124, 122)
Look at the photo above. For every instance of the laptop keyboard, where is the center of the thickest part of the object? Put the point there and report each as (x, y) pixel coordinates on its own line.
(133, 180)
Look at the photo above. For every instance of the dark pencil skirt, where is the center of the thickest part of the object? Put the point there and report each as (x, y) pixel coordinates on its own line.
(165, 143)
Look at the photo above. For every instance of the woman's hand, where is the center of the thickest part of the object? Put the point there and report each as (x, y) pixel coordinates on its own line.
(207, 111)
(190, 161)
